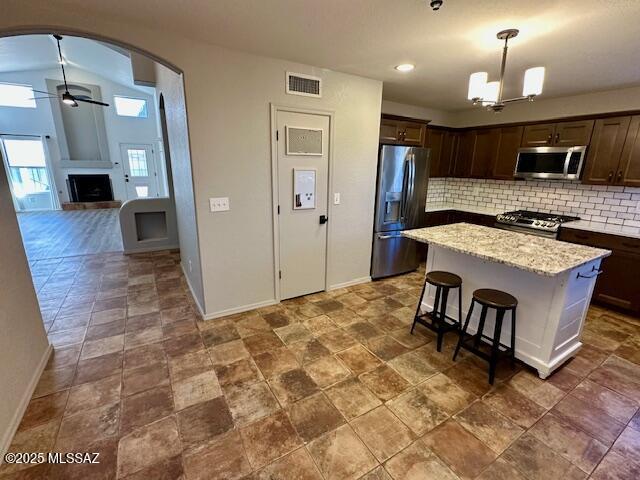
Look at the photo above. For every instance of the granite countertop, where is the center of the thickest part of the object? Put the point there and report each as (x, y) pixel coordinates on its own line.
(612, 229)
(438, 207)
(535, 254)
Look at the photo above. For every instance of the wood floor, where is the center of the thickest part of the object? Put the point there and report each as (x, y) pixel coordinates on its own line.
(57, 233)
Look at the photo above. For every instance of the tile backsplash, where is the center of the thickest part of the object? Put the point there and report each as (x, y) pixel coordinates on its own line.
(595, 203)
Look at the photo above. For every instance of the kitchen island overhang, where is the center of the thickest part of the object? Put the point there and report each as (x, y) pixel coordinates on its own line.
(552, 280)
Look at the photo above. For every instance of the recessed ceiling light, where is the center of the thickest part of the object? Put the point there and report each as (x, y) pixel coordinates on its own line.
(405, 67)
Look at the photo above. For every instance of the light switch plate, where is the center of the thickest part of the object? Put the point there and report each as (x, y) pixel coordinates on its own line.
(219, 204)
(336, 199)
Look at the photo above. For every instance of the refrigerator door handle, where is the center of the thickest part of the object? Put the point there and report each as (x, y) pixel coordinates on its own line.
(412, 179)
(405, 185)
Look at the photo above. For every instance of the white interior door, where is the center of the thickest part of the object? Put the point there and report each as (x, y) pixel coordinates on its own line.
(303, 169)
(140, 173)
(30, 178)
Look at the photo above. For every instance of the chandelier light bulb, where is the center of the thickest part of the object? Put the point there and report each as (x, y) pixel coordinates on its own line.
(533, 81)
(477, 82)
(490, 93)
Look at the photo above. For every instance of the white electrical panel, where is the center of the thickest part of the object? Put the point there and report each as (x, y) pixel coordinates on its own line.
(304, 188)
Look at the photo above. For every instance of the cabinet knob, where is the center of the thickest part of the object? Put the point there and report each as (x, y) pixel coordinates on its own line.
(610, 176)
(549, 138)
(619, 175)
(557, 137)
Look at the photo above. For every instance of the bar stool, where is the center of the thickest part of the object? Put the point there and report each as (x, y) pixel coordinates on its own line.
(501, 302)
(443, 281)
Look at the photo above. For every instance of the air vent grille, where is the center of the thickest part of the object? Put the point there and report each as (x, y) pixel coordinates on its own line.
(299, 84)
(304, 141)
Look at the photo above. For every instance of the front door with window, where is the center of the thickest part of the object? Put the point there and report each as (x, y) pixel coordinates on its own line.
(29, 176)
(303, 172)
(139, 171)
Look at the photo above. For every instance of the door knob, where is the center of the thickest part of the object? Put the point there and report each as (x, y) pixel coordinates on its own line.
(323, 219)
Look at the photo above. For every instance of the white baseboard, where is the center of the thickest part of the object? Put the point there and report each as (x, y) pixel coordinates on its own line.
(7, 436)
(193, 295)
(350, 283)
(243, 308)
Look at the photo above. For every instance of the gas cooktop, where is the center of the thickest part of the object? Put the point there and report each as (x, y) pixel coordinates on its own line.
(534, 222)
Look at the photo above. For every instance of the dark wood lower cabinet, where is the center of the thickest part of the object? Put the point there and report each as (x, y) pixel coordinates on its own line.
(617, 286)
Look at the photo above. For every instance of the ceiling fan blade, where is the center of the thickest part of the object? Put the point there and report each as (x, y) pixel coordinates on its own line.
(43, 98)
(94, 102)
(42, 91)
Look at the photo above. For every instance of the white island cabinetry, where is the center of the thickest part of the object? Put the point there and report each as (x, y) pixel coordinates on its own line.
(552, 280)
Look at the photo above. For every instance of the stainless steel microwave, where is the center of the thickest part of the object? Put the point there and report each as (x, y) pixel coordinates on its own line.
(554, 163)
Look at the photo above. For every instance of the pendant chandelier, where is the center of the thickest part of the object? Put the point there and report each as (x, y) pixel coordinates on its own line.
(489, 94)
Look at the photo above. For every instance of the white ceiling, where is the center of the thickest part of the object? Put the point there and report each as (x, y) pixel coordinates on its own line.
(39, 52)
(586, 45)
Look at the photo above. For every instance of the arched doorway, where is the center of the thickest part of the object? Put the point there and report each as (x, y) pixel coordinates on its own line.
(91, 298)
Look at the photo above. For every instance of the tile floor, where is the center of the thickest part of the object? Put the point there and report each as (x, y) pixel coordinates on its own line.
(328, 386)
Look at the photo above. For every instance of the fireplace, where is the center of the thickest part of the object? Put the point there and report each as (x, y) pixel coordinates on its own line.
(90, 188)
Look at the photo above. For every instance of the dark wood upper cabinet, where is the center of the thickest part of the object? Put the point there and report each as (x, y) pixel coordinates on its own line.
(562, 134)
(433, 141)
(389, 131)
(538, 135)
(605, 150)
(464, 154)
(571, 134)
(402, 133)
(505, 163)
(485, 151)
(413, 133)
(443, 145)
(629, 168)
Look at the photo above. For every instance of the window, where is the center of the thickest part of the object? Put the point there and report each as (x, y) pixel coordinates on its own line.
(142, 191)
(131, 107)
(12, 95)
(27, 169)
(137, 163)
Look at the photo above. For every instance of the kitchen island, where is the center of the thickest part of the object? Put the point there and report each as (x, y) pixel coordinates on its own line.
(552, 280)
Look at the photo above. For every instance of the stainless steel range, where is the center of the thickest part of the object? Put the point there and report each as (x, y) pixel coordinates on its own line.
(535, 223)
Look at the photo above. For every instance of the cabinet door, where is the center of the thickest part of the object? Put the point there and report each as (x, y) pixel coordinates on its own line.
(412, 133)
(629, 169)
(505, 164)
(538, 135)
(618, 284)
(464, 154)
(605, 150)
(434, 139)
(389, 131)
(572, 134)
(450, 144)
(485, 152)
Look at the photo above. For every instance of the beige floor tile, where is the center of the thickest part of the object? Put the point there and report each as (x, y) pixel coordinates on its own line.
(268, 439)
(382, 432)
(195, 389)
(329, 450)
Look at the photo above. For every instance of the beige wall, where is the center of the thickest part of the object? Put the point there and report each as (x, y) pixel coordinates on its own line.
(436, 117)
(543, 109)
(623, 99)
(23, 341)
(228, 96)
(169, 85)
(229, 105)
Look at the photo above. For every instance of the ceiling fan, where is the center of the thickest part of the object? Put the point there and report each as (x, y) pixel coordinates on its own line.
(67, 97)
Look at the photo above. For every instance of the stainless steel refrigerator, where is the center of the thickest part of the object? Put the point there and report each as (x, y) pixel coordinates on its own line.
(401, 194)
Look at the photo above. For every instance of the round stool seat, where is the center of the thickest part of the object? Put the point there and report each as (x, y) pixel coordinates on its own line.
(495, 298)
(443, 279)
